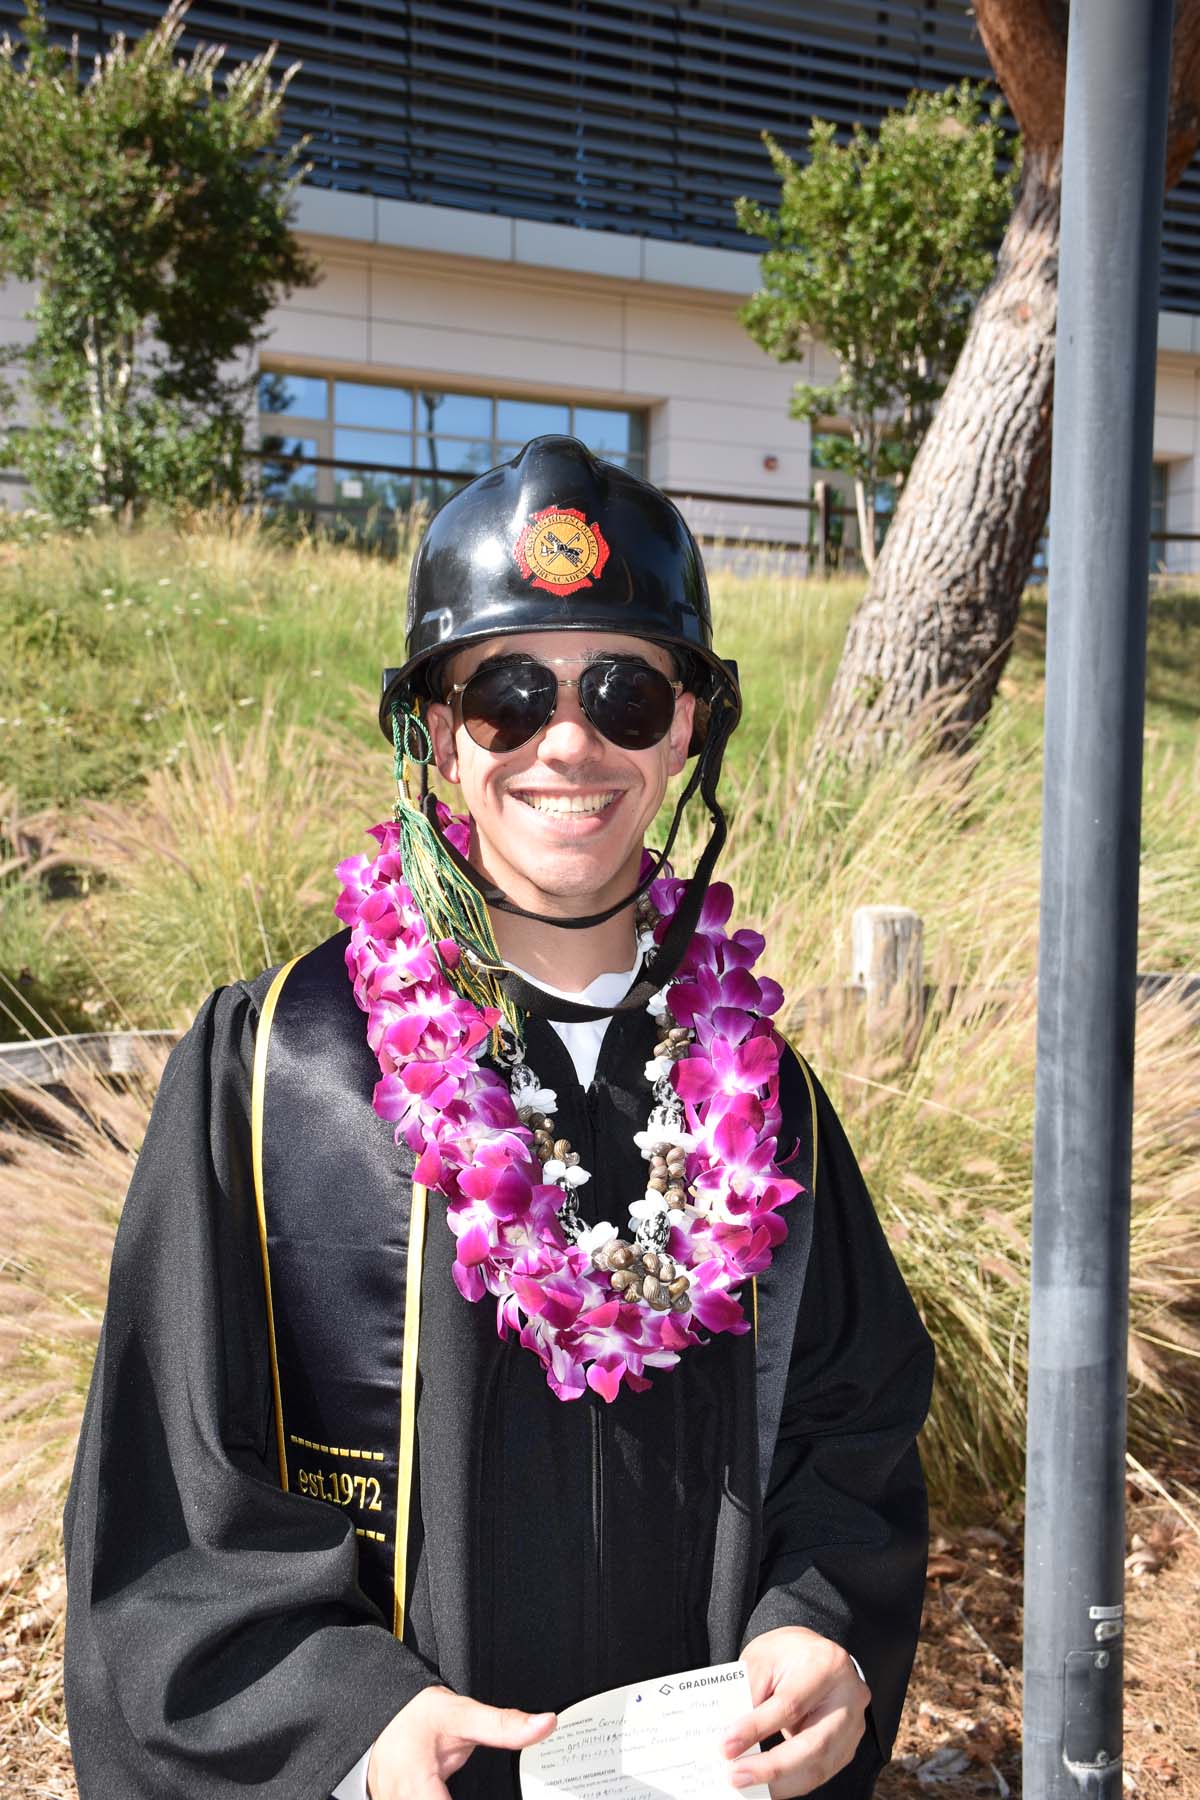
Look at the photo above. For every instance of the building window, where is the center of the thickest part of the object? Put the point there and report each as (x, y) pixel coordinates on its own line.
(348, 448)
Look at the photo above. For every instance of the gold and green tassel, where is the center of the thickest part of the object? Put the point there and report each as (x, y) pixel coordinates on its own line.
(447, 901)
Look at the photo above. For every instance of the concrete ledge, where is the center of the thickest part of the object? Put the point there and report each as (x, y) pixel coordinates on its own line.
(531, 243)
(330, 213)
(583, 252)
(700, 266)
(1176, 331)
(407, 226)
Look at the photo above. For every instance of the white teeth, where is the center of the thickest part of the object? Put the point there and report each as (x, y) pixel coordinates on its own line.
(568, 803)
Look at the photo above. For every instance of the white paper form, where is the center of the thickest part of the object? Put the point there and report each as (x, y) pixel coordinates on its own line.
(657, 1741)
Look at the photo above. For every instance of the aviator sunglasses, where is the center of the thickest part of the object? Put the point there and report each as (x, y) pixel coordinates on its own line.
(509, 699)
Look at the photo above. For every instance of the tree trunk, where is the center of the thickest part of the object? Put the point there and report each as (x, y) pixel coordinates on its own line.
(866, 524)
(929, 641)
(93, 352)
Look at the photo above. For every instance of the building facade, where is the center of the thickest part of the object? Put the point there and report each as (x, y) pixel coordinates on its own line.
(523, 216)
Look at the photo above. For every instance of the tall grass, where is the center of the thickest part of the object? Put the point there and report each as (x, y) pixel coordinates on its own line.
(222, 865)
(216, 860)
(64, 1167)
(944, 1134)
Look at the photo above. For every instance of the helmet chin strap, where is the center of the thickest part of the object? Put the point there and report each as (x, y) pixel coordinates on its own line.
(665, 959)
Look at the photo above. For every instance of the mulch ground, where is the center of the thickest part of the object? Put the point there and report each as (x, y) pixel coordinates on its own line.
(961, 1731)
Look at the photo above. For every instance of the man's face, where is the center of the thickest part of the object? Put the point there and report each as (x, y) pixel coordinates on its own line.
(560, 821)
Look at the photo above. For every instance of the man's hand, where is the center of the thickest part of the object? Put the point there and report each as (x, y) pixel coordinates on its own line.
(806, 1687)
(432, 1737)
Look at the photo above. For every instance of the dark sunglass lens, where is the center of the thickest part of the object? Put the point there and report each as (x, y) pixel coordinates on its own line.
(630, 702)
(504, 704)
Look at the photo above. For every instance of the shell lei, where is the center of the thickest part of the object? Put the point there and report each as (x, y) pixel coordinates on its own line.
(719, 1104)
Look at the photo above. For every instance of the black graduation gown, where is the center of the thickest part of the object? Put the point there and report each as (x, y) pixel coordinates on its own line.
(218, 1643)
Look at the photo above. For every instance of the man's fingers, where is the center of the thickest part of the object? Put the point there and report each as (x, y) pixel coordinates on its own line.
(805, 1691)
(500, 1727)
(802, 1763)
(431, 1738)
(778, 1712)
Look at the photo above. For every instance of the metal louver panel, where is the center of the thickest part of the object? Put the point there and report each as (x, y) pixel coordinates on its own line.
(608, 115)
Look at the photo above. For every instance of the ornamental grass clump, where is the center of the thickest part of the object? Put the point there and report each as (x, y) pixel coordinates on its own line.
(943, 1123)
(65, 1163)
(221, 867)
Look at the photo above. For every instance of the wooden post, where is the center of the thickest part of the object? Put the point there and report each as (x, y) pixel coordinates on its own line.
(821, 501)
(887, 944)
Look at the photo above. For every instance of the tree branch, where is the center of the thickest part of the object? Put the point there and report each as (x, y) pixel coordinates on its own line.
(1026, 42)
(1183, 118)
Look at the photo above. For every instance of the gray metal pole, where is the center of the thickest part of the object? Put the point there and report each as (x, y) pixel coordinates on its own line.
(1113, 173)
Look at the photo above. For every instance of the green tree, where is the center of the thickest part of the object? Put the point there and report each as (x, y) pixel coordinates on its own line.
(879, 249)
(148, 199)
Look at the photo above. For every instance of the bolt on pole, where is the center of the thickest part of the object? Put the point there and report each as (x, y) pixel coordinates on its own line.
(1113, 176)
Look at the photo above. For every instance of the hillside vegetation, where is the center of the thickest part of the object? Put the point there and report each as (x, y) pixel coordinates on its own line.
(191, 746)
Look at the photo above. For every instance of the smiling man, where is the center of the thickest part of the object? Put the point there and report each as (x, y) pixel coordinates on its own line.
(559, 820)
(498, 1314)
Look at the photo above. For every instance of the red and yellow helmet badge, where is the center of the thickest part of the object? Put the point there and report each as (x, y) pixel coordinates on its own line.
(559, 550)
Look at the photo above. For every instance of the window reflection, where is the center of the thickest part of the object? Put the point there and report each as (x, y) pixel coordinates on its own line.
(525, 419)
(376, 431)
(363, 487)
(606, 432)
(432, 493)
(373, 447)
(459, 415)
(368, 403)
(364, 490)
(306, 396)
(284, 475)
(455, 454)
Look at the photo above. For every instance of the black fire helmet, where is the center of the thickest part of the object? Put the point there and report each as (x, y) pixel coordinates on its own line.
(557, 540)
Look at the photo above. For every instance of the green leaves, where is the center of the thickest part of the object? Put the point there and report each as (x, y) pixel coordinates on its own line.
(879, 249)
(146, 197)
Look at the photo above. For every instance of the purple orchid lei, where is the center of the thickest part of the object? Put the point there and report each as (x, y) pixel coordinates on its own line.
(719, 1104)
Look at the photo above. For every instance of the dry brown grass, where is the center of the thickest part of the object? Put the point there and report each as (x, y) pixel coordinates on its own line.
(222, 864)
(943, 1126)
(65, 1164)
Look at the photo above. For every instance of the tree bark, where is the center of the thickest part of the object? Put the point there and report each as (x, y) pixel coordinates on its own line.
(93, 351)
(928, 643)
(866, 523)
(930, 639)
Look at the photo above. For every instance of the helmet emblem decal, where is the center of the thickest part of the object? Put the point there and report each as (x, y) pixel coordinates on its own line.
(559, 550)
